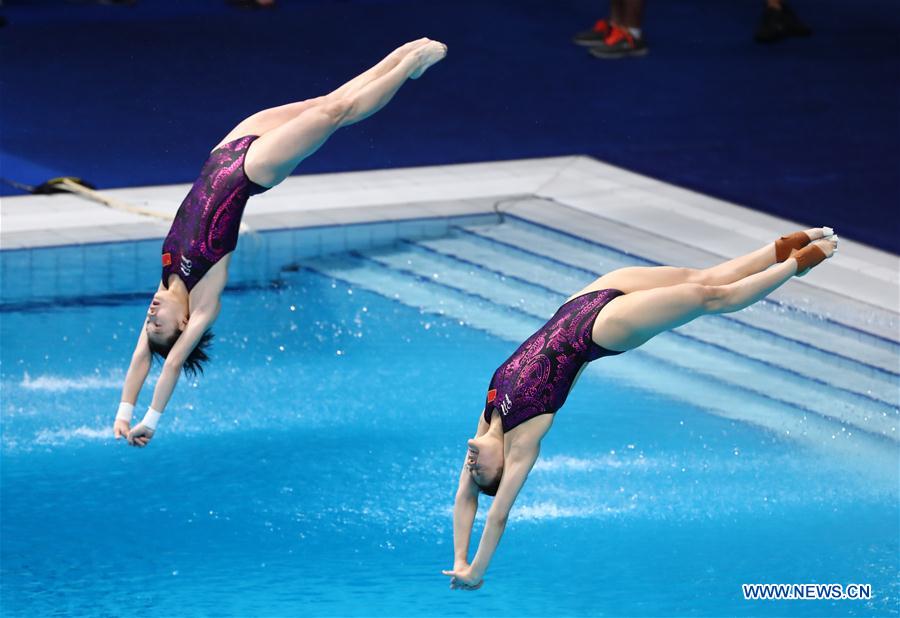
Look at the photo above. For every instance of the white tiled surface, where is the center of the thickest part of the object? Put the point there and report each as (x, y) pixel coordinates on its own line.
(627, 211)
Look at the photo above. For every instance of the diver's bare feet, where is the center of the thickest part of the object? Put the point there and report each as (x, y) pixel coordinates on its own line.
(815, 253)
(407, 48)
(428, 54)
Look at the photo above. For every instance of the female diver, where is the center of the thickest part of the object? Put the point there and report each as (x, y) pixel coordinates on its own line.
(618, 312)
(258, 154)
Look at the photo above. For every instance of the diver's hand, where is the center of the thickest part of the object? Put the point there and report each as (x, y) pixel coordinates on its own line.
(462, 577)
(140, 435)
(120, 428)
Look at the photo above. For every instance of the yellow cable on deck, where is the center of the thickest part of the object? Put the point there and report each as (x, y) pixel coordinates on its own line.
(70, 184)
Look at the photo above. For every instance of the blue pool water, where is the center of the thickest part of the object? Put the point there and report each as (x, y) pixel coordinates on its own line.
(312, 471)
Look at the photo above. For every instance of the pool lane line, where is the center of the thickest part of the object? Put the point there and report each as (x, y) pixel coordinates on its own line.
(107, 300)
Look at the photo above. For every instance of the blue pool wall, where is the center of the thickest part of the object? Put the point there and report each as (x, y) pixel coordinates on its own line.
(82, 271)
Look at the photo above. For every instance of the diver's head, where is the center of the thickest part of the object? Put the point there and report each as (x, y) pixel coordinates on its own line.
(167, 317)
(484, 461)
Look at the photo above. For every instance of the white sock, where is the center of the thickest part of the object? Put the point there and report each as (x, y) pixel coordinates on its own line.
(635, 32)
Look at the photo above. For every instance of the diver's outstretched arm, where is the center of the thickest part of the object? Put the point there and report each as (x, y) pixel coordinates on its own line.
(198, 324)
(464, 508)
(516, 467)
(134, 381)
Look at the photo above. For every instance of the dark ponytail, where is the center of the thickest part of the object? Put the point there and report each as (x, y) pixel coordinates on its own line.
(196, 359)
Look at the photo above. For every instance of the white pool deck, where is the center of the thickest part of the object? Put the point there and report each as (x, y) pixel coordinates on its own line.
(860, 287)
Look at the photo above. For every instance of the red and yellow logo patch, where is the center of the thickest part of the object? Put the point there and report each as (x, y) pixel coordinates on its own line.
(167, 259)
(492, 395)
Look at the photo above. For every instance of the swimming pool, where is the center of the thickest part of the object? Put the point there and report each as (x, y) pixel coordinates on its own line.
(312, 471)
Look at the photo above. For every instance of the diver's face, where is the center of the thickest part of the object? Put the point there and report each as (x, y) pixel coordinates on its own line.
(484, 459)
(166, 317)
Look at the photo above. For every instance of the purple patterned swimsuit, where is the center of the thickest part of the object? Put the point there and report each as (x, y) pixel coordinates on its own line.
(206, 225)
(536, 379)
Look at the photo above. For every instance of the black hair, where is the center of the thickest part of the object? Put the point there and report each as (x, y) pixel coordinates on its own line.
(195, 360)
(491, 488)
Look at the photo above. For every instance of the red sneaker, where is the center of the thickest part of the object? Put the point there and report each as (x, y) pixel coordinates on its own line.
(595, 35)
(619, 44)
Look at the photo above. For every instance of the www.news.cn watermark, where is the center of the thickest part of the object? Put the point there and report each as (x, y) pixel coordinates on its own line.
(795, 592)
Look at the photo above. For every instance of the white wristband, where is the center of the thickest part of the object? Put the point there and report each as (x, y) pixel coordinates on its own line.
(151, 418)
(125, 411)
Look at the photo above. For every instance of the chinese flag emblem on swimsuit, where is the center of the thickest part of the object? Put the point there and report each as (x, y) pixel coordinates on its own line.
(492, 395)
(167, 259)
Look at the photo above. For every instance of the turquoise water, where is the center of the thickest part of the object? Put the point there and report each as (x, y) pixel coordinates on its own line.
(312, 471)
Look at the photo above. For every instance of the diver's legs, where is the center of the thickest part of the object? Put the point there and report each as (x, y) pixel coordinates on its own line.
(272, 157)
(380, 69)
(631, 320)
(636, 278)
(273, 117)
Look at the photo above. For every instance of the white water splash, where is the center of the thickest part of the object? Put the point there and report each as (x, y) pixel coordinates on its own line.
(541, 511)
(576, 464)
(49, 437)
(57, 384)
